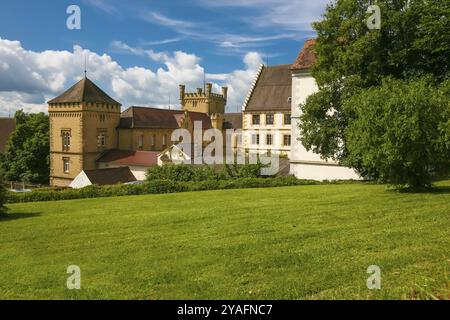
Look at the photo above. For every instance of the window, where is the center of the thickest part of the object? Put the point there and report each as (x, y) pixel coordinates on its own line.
(269, 139)
(141, 142)
(287, 140)
(101, 138)
(256, 119)
(153, 141)
(66, 134)
(255, 139)
(164, 142)
(287, 119)
(66, 165)
(269, 119)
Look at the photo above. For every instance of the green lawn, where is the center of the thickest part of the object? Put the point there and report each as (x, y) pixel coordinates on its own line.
(307, 242)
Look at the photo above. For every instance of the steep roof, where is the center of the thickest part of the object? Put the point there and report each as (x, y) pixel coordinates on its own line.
(272, 90)
(232, 121)
(7, 126)
(110, 176)
(155, 118)
(84, 91)
(306, 58)
(130, 158)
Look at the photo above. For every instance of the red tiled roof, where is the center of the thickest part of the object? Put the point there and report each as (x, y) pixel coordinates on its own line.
(306, 58)
(155, 118)
(7, 126)
(130, 158)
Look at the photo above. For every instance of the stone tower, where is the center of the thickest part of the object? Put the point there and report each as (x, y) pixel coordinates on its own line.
(83, 122)
(213, 104)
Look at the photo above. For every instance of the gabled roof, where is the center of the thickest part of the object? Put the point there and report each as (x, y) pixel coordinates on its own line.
(155, 118)
(272, 90)
(110, 176)
(130, 158)
(84, 91)
(7, 127)
(306, 58)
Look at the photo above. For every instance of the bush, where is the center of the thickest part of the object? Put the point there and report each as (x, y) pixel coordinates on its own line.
(3, 194)
(399, 132)
(154, 187)
(187, 173)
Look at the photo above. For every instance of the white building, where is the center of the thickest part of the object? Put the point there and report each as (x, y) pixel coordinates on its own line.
(306, 164)
(267, 112)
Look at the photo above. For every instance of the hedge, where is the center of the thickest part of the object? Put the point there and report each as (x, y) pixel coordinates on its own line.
(188, 173)
(154, 187)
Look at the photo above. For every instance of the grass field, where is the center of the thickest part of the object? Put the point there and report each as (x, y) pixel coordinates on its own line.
(307, 242)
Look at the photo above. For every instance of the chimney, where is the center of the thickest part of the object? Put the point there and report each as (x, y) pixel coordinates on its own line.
(208, 89)
(199, 91)
(225, 93)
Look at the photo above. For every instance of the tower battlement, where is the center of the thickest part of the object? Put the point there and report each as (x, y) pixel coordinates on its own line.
(204, 101)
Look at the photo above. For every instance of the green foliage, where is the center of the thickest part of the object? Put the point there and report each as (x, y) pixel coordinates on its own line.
(26, 157)
(394, 136)
(186, 173)
(3, 194)
(154, 187)
(414, 42)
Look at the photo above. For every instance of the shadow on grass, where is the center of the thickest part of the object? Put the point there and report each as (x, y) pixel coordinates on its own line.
(16, 216)
(433, 190)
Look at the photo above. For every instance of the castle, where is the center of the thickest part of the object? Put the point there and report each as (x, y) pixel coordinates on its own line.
(88, 131)
(86, 123)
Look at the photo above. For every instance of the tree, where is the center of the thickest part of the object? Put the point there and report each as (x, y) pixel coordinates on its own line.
(413, 42)
(394, 136)
(2, 194)
(26, 157)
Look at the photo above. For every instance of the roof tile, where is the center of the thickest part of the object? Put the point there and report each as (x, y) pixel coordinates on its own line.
(84, 91)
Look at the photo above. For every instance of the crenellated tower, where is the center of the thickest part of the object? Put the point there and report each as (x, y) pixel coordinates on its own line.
(213, 104)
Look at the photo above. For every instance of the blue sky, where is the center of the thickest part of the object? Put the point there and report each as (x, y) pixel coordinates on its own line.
(151, 43)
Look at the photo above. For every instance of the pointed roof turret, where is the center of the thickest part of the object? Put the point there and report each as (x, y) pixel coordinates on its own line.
(84, 91)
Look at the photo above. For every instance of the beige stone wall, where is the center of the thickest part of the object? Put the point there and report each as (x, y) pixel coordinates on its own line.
(84, 121)
(129, 139)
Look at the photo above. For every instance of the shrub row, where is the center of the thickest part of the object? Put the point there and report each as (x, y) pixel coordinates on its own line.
(186, 173)
(154, 187)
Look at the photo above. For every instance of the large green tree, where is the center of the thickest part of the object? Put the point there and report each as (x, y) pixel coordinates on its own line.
(413, 42)
(395, 137)
(26, 157)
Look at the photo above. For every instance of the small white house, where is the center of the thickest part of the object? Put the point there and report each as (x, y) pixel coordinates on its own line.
(176, 154)
(102, 177)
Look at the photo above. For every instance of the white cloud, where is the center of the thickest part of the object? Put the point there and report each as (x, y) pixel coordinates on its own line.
(294, 15)
(28, 79)
(160, 19)
(102, 5)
